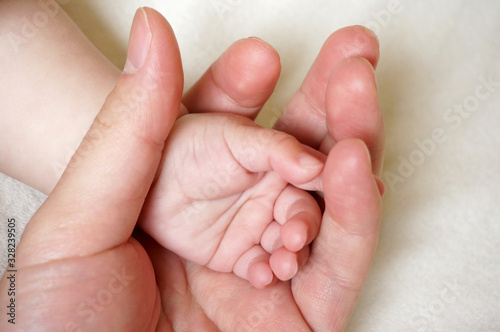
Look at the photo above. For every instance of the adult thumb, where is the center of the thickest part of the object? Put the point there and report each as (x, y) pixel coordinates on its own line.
(95, 205)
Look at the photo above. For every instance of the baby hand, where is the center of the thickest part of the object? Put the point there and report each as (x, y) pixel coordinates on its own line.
(227, 197)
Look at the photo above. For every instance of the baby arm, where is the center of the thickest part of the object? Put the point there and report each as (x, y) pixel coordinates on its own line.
(230, 195)
(54, 83)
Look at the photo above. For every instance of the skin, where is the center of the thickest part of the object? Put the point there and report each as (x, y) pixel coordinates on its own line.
(58, 111)
(65, 250)
(222, 197)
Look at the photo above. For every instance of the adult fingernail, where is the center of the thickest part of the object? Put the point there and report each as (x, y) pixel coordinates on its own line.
(139, 42)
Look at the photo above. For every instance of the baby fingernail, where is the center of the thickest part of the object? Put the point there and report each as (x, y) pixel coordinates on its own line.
(309, 161)
(292, 271)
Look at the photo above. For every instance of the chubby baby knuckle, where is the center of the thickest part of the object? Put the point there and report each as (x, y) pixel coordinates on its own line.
(282, 140)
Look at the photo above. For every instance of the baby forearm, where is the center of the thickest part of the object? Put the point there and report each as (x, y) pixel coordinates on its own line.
(53, 83)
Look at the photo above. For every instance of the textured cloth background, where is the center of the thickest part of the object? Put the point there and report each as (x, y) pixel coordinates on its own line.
(438, 263)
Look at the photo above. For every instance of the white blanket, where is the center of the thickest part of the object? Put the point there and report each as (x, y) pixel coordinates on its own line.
(438, 263)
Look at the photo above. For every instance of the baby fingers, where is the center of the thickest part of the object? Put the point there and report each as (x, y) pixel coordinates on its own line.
(285, 263)
(298, 219)
(300, 216)
(260, 150)
(253, 266)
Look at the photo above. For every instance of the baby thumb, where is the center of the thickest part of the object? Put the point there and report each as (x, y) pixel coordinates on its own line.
(96, 203)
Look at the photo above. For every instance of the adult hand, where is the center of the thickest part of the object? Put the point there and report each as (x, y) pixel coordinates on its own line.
(78, 267)
(336, 103)
(79, 242)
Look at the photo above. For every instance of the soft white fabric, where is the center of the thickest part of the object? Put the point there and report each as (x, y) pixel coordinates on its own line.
(438, 263)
